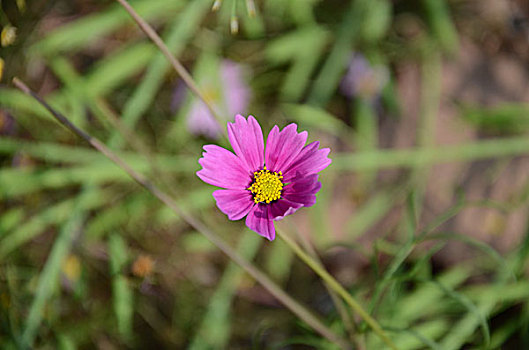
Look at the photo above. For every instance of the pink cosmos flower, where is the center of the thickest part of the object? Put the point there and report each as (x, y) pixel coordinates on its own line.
(264, 186)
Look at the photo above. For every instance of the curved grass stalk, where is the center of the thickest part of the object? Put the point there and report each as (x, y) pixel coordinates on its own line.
(178, 67)
(298, 309)
(337, 287)
(349, 324)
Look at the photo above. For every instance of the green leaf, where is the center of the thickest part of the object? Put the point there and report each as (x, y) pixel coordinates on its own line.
(214, 331)
(413, 157)
(303, 48)
(315, 118)
(122, 297)
(441, 25)
(335, 65)
(55, 214)
(506, 118)
(279, 261)
(82, 32)
(49, 278)
(377, 206)
(376, 21)
(179, 33)
(117, 68)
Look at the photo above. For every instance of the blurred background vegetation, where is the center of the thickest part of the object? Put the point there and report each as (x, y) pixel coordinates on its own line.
(422, 215)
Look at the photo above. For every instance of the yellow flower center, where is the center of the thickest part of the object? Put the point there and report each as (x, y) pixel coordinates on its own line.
(266, 186)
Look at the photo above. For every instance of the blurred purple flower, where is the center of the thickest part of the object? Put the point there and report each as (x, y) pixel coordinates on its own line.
(362, 79)
(231, 97)
(263, 185)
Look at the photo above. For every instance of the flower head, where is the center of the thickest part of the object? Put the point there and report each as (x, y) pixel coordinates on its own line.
(231, 94)
(263, 185)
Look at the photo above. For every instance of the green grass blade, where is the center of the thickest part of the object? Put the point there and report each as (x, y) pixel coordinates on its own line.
(469, 305)
(17, 182)
(279, 261)
(503, 118)
(49, 278)
(59, 153)
(409, 158)
(214, 330)
(309, 117)
(122, 297)
(303, 48)
(65, 342)
(20, 102)
(503, 266)
(117, 68)
(10, 219)
(54, 215)
(180, 32)
(421, 335)
(371, 212)
(366, 120)
(425, 301)
(334, 67)
(462, 331)
(131, 210)
(441, 25)
(78, 34)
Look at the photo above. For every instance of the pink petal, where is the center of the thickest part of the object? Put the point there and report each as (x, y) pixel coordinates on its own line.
(246, 138)
(302, 191)
(224, 169)
(310, 160)
(234, 203)
(282, 208)
(260, 221)
(283, 146)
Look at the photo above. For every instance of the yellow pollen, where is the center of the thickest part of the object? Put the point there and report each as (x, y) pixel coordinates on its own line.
(266, 186)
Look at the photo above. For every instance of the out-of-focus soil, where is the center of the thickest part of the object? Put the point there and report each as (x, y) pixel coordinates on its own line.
(475, 76)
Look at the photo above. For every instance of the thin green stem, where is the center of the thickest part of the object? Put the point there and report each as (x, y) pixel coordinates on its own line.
(337, 287)
(178, 67)
(216, 5)
(250, 7)
(338, 303)
(234, 21)
(250, 268)
(103, 108)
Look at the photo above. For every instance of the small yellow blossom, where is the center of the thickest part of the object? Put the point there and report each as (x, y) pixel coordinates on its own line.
(72, 268)
(8, 35)
(142, 266)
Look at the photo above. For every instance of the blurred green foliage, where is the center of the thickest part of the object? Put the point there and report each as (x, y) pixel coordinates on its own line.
(73, 225)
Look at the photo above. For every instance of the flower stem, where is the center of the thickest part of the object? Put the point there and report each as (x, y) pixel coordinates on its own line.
(348, 322)
(234, 20)
(337, 287)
